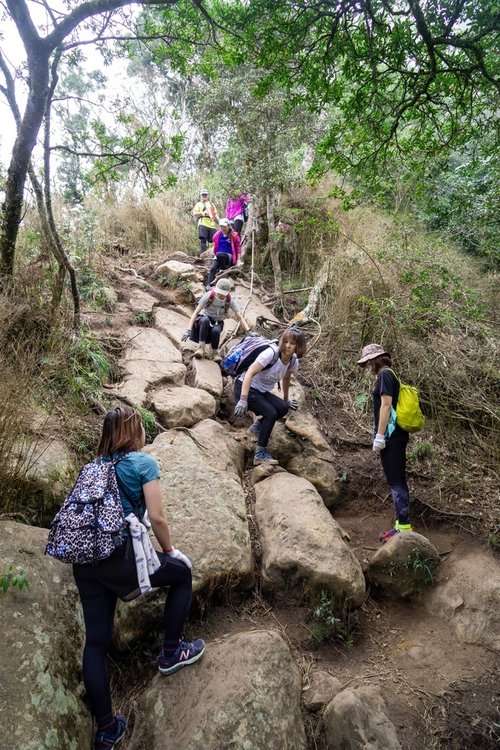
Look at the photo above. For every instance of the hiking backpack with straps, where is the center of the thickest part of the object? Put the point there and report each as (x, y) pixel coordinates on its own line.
(408, 414)
(88, 527)
(244, 353)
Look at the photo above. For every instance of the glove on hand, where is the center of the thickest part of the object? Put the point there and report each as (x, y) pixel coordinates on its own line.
(187, 335)
(292, 403)
(378, 443)
(241, 407)
(176, 554)
(250, 333)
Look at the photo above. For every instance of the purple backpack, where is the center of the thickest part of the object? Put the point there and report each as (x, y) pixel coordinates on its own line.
(244, 353)
(88, 527)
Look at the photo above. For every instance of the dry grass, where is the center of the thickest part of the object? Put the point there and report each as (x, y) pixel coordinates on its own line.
(153, 225)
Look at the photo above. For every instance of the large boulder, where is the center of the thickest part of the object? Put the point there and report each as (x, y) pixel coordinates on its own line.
(141, 301)
(321, 690)
(174, 271)
(469, 600)
(243, 694)
(207, 376)
(205, 506)
(357, 720)
(302, 545)
(51, 472)
(405, 565)
(150, 359)
(40, 689)
(301, 448)
(182, 406)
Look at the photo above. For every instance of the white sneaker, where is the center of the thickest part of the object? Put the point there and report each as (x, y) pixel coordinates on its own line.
(200, 352)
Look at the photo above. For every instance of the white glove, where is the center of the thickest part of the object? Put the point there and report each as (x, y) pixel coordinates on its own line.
(176, 554)
(378, 443)
(292, 403)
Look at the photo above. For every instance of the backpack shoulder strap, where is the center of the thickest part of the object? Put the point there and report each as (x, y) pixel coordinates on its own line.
(391, 370)
(212, 294)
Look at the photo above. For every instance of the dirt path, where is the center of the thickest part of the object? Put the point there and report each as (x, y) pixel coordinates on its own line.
(440, 694)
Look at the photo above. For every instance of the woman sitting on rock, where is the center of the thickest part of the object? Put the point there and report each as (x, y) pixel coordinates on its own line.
(100, 584)
(227, 250)
(207, 321)
(389, 441)
(253, 388)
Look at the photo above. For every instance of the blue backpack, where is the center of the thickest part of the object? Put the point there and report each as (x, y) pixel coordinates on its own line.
(244, 353)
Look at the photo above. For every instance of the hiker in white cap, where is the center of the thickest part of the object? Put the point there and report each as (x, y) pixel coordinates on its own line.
(207, 321)
(227, 250)
(390, 440)
(207, 219)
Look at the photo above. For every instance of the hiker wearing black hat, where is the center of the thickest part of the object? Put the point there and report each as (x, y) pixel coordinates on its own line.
(207, 321)
(390, 439)
(206, 218)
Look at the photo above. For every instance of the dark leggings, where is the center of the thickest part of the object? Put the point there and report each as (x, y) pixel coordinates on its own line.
(208, 332)
(266, 405)
(96, 586)
(238, 225)
(205, 235)
(393, 459)
(220, 262)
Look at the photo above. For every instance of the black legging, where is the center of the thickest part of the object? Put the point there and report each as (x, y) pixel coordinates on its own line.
(97, 593)
(208, 331)
(393, 459)
(238, 225)
(205, 235)
(266, 405)
(220, 262)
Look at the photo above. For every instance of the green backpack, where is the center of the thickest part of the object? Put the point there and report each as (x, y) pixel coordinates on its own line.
(408, 414)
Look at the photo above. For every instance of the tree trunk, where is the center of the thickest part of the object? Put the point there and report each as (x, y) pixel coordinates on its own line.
(273, 246)
(18, 168)
(58, 249)
(310, 310)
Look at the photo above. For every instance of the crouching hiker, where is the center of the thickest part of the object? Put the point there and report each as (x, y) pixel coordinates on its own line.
(227, 250)
(120, 576)
(253, 388)
(207, 321)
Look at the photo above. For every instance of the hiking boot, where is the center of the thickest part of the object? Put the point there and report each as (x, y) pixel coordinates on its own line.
(217, 358)
(105, 740)
(262, 456)
(386, 535)
(209, 352)
(403, 526)
(254, 429)
(185, 653)
(200, 352)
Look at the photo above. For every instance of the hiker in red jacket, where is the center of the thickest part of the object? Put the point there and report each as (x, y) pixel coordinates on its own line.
(227, 250)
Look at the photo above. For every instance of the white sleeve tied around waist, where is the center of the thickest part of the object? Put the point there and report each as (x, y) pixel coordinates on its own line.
(146, 559)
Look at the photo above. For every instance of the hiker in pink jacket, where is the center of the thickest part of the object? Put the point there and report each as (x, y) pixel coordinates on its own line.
(237, 211)
(227, 250)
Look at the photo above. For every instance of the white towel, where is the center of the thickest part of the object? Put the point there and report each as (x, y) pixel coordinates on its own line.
(146, 559)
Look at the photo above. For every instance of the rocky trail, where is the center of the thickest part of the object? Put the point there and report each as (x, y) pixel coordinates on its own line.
(403, 664)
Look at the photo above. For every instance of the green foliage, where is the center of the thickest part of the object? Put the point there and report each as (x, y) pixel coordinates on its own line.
(13, 579)
(334, 620)
(92, 289)
(141, 318)
(418, 567)
(149, 422)
(87, 368)
(494, 539)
